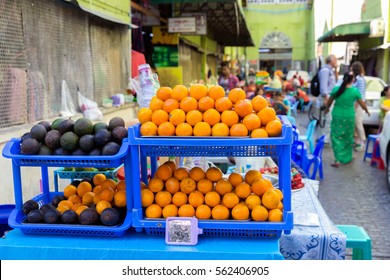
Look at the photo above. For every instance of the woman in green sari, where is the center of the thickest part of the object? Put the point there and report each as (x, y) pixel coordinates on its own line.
(343, 119)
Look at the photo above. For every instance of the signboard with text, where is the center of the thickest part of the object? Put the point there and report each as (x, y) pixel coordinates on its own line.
(182, 25)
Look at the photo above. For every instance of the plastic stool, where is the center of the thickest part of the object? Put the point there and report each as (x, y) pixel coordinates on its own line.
(371, 138)
(358, 240)
(376, 158)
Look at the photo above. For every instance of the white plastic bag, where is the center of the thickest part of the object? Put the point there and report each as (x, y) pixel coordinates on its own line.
(145, 85)
(89, 108)
(67, 106)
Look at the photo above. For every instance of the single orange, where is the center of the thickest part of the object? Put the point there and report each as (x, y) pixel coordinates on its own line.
(240, 212)
(170, 105)
(238, 129)
(164, 172)
(164, 93)
(65, 203)
(179, 199)
(97, 189)
(163, 198)
(172, 185)
(259, 186)
(223, 104)
(205, 103)
(252, 175)
(196, 198)
(223, 186)
(80, 209)
(274, 128)
(62, 208)
(120, 199)
(259, 213)
(156, 185)
(183, 129)
(177, 116)
(275, 215)
(280, 206)
(186, 210)
(235, 179)
(76, 205)
(229, 117)
(83, 188)
(98, 179)
(243, 107)
(204, 186)
(188, 104)
(230, 200)
(198, 91)
(181, 173)
(145, 115)
(96, 199)
(171, 164)
(280, 193)
(212, 198)
(243, 190)
(87, 198)
(69, 190)
(259, 133)
(236, 94)
(197, 173)
(147, 197)
(166, 129)
(220, 212)
(220, 129)
(156, 104)
(214, 174)
(252, 201)
(203, 212)
(159, 116)
(193, 117)
(251, 121)
(259, 103)
(187, 185)
(148, 129)
(108, 183)
(202, 129)
(107, 194)
(270, 199)
(170, 210)
(211, 116)
(153, 211)
(122, 185)
(74, 198)
(266, 115)
(179, 92)
(216, 92)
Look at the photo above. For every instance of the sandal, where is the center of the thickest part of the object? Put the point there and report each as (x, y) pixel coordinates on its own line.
(335, 164)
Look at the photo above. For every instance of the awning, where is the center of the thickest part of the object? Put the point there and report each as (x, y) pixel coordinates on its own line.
(225, 19)
(113, 10)
(347, 32)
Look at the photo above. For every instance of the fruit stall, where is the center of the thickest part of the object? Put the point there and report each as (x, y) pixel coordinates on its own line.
(154, 206)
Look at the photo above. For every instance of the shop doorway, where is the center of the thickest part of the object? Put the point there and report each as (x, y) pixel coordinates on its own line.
(275, 52)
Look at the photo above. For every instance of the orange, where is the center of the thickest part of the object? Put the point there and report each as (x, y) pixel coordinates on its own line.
(169, 210)
(87, 198)
(229, 117)
(270, 199)
(181, 173)
(65, 203)
(275, 215)
(205, 103)
(164, 172)
(243, 190)
(259, 213)
(252, 201)
(238, 129)
(163, 198)
(280, 193)
(159, 116)
(164, 93)
(266, 115)
(220, 129)
(147, 197)
(74, 198)
(170, 105)
(183, 129)
(97, 189)
(81, 208)
(259, 186)
(202, 129)
(156, 185)
(197, 174)
(196, 198)
(235, 179)
(62, 208)
(156, 104)
(203, 212)
(240, 212)
(269, 183)
(214, 174)
(243, 107)
(230, 200)
(75, 206)
(259, 103)
(148, 129)
(216, 92)
(99, 178)
(83, 188)
(122, 186)
(198, 91)
(120, 199)
(280, 206)
(251, 121)
(107, 194)
(177, 116)
(108, 183)
(179, 92)
(153, 211)
(166, 129)
(212, 198)
(204, 186)
(274, 128)
(236, 94)
(223, 186)
(145, 115)
(223, 104)
(188, 104)
(171, 164)
(69, 190)
(193, 117)
(172, 185)
(252, 175)
(187, 185)
(220, 212)
(96, 199)
(211, 116)
(179, 199)
(186, 210)
(259, 133)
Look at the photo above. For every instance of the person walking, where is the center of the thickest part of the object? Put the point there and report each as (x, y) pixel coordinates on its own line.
(327, 78)
(343, 119)
(360, 83)
(227, 80)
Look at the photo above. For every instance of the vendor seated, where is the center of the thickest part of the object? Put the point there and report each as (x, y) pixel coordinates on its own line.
(302, 98)
(281, 104)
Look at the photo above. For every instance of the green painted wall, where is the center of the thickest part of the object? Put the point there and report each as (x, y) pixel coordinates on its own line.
(372, 10)
(211, 45)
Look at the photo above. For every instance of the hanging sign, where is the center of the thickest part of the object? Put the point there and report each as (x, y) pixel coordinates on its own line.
(182, 25)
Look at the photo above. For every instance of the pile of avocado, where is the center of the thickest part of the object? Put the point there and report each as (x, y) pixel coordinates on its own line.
(66, 137)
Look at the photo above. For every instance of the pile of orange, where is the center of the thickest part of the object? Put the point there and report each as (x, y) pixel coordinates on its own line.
(102, 193)
(202, 111)
(206, 194)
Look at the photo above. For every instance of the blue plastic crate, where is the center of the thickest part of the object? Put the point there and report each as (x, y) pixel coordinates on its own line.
(17, 217)
(143, 147)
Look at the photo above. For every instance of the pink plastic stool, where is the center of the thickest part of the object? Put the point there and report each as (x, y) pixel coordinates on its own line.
(376, 156)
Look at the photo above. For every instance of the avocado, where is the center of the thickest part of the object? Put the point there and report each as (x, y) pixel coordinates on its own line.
(89, 217)
(29, 146)
(65, 126)
(44, 150)
(38, 132)
(52, 217)
(109, 217)
(83, 126)
(46, 124)
(95, 152)
(61, 152)
(29, 205)
(35, 216)
(69, 141)
(118, 134)
(52, 139)
(101, 138)
(79, 152)
(75, 183)
(110, 149)
(69, 217)
(115, 122)
(57, 199)
(98, 126)
(47, 207)
(25, 136)
(56, 123)
(86, 142)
